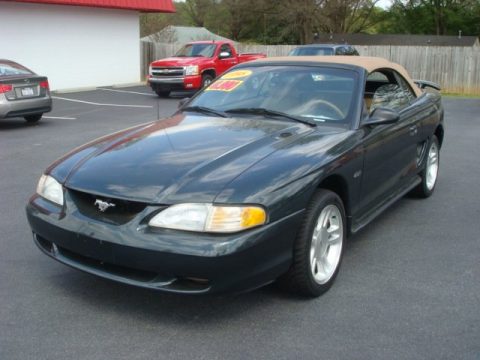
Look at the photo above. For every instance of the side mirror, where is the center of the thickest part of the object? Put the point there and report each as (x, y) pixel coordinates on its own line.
(382, 116)
(183, 102)
(224, 54)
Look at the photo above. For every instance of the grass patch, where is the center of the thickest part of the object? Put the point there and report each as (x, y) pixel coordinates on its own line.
(469, 96)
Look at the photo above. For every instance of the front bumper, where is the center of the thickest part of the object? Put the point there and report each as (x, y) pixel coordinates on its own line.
(165, 83)
(24, 107)
(172, 261)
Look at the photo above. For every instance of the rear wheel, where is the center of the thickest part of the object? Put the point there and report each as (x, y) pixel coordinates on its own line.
(163, 93)
(33, 118)
(429, 174)
(318, 247)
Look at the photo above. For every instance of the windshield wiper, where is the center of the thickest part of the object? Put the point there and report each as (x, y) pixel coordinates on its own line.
(204, 110)
(268, 112)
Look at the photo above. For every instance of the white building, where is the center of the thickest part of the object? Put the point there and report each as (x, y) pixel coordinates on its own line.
(76, 43)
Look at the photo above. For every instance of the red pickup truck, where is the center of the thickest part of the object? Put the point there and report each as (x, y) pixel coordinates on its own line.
(194, 66)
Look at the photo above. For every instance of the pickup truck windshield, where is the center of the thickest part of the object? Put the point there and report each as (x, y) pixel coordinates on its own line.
(315, 94)
(197, 50)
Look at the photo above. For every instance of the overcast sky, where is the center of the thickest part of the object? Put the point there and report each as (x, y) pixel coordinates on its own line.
(384, 3)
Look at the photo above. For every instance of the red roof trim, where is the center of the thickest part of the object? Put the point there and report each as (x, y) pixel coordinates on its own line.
(139, 5)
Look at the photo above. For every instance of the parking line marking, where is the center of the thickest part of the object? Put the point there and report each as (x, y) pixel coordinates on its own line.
(59, 117)
(128, 92)
(101, 104)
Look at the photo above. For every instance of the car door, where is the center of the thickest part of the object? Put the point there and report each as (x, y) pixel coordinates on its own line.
(424, 110)
(389, 150)
(225, 63)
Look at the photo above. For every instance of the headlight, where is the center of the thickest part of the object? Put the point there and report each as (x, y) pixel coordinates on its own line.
(209, 218)
(150, 70)
(191, 70)
(50, 189)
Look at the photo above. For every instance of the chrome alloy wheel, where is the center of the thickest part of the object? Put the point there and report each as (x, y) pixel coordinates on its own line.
(432, 166)
(326, 246)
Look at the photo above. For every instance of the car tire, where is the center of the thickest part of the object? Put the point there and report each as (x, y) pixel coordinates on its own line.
(33, 118)
(163, 93)
(429, 174)
(206, 80)
(318, 248)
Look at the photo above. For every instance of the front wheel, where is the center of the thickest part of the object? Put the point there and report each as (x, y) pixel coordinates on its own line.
(429, 174)
(33, 118)
(163, 93)
(206, 80)
(318, 247)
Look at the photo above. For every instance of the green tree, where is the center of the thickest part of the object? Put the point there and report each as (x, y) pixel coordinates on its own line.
(440, 17)
(348, 16)
(151, 23)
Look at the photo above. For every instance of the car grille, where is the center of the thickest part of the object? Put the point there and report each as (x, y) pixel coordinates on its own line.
(119, 212)
(167, 71)
(112, 270)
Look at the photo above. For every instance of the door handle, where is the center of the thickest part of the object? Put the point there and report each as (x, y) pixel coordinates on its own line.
(413, 130)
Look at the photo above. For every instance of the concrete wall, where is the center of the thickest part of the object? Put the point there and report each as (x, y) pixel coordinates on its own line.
(74, 46)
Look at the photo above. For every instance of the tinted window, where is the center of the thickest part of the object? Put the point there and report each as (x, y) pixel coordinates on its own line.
(12, 69)
(193, 50)
(406, 88)
(350, 50)
(387, 89)
(318, 93)
(226, 48)
(311, 51)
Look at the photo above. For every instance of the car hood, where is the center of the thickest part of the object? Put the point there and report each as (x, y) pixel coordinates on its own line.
(183, 158)
(180, 61)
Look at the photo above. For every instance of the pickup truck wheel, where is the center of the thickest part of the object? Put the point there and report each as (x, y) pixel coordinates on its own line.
(206, 80)
(318, 248)
(163, 93)
(33, 118)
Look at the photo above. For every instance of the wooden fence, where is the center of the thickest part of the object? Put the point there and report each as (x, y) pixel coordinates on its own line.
(456, 69)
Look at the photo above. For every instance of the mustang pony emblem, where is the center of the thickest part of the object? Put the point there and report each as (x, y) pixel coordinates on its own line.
(103, 205)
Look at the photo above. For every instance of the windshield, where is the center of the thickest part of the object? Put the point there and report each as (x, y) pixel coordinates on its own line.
(314, 93)
(193, 50)
(311, 51)
(11, 69)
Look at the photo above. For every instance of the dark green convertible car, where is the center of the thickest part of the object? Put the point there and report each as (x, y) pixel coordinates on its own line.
(261, 177)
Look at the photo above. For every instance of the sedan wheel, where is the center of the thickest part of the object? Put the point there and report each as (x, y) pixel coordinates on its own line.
(33, 118)
(318, 247)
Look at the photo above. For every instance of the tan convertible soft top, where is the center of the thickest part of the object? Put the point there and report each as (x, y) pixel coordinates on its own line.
(367, 62)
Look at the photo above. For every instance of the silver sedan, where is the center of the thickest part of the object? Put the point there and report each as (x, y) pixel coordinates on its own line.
(22, 92)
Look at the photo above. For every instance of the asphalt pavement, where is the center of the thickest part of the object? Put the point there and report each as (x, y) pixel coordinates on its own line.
(408, 288)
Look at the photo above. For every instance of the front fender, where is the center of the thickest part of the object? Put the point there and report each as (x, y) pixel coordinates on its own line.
(285, 181)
